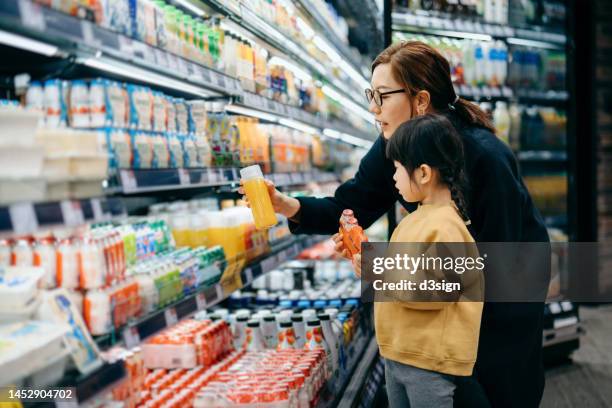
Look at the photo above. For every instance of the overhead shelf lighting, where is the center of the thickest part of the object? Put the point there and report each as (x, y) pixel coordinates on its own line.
(191, 7)
(345, 137)
(28, 44)
(298, 126)
(240, 110)
(130, 71)
(358, 110)
(533, 43)
(341, 62)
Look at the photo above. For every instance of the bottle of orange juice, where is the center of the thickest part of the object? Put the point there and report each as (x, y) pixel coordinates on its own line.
(257, 193)
(352, 233)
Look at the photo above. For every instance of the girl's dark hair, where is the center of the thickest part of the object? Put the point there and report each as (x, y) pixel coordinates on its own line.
(431, 139)
(417, 66)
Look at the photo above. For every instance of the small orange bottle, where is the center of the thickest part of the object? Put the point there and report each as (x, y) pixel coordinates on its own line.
(352, 233)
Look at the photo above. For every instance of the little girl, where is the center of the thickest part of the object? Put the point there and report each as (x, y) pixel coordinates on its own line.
(427, 344)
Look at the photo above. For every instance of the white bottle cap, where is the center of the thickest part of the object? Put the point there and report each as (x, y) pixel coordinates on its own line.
(251, 172)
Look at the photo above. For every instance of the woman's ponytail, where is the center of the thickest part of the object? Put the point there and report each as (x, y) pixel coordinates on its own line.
(472, 114)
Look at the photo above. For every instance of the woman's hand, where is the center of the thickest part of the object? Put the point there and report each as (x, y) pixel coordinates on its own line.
(339, 246)
(282, 203)
(357, 265)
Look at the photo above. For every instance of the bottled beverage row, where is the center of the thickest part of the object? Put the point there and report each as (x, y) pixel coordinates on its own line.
(211, 43)
(517, 13)
(491, 63)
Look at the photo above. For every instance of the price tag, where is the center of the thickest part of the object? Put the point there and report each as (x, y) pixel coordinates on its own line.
(88, 35)
(211, 175)
(270, 104)
(131, 338)
(72, 213)
(161, 58)
(182, 67)
(469, 27)
(221, 81)
(411, 19)
(23, 218)
(460, 25)
(507, 92)
(268, 264)
(96, 206)
(221, 175)
(205, 73)
(247, 276)
(201, 300)
(173, 62)
(554, 308)
(184, 178)
(128, 181)
(171, 317)
(448, 24)
(482, 28)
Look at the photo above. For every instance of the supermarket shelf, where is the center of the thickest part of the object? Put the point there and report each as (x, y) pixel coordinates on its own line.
(329, 34)
(280, 111)
(542, 97)
(88, 386)
(542, 156)
(528, 96)
(241, 14)
(426, 23)
(483, 92)
(330, 397)
(132, 182)
(366, 379)
(27, 218)
(113, 54)
(204, 298)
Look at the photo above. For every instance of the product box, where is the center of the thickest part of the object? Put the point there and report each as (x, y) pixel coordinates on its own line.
(142, 149)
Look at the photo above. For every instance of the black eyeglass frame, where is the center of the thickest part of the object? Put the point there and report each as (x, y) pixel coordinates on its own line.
(371, 95)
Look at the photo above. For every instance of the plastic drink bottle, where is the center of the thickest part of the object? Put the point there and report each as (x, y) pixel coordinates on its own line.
(257, 193)
(353, 236)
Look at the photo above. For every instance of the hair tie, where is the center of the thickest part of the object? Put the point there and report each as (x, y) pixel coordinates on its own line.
(451, 106)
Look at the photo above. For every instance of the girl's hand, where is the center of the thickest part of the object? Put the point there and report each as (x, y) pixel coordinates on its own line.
(339, 246)
(357, 265)
(282, 203)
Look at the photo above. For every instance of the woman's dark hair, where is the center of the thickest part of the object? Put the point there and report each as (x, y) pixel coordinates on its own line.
(431, 139)
(419, 67)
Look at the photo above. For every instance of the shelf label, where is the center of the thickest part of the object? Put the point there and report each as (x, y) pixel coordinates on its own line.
(184, 177)
(268, 264)
(23, 218)
(128, 180)
(96, 206)
(200, 301)
(72, 213)
(161, 59)
(131, 338)
(221, 81)
(171, 317)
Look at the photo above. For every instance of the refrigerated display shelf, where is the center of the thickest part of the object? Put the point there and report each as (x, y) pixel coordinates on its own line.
(450, 26)
(243, 15)
(334, 392)
(90, 385)
(146, 181)
(365, 380)
(27, 218)
(54, 34)
(134, 332)
(542, 155)
(329, 33)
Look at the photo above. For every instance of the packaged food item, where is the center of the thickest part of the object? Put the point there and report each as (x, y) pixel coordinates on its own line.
(35, 96)
(55, 107)
(159, 112)
(79, 104)
(171, 115)
(57, 307)
(190, 151)
(67, 265)
(118, 16)
(117, 104)
(142, 150)
(177, 159)
(45, 256)
(145, 21)
(259, 198)
(197, 117)
(119, 143)
(98, 101)
(161, 154)
(182, 116)
(141, 107)
(203, 151)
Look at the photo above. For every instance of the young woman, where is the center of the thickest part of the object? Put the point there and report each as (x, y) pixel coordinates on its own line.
(411, 79)
(420, 339)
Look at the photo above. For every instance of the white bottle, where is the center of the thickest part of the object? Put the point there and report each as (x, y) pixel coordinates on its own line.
(468, 58)
(501, 119)
(490, 56)
(255, 340)
(269, 330)
(501, 12)
(501, 62)
(479, 64)
(332, 342)
(299, 328)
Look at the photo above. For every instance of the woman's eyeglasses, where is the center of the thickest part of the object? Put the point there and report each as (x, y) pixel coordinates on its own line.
(376, 95)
